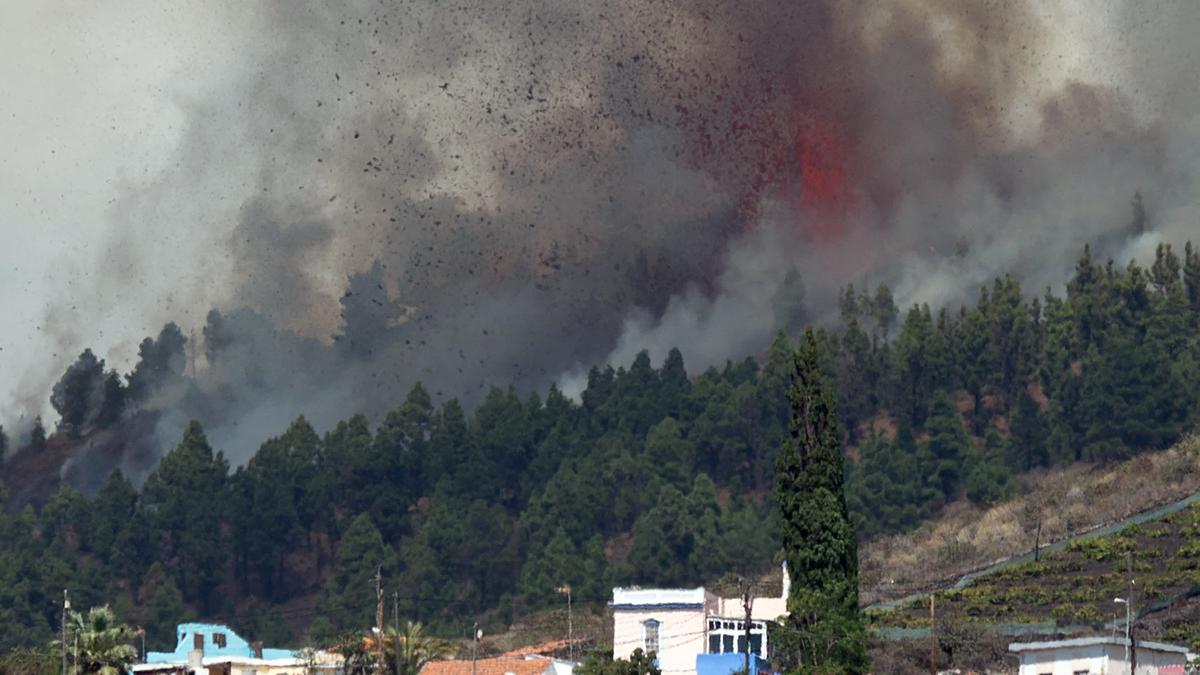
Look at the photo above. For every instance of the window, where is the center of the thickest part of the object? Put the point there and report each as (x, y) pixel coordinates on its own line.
(728, 636)
(650, 637)
(219, 639)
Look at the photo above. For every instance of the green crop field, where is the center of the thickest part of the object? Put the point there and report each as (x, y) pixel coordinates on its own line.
(1075, 588)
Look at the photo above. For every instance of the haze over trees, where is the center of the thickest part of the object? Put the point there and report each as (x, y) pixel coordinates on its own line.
(654, 476)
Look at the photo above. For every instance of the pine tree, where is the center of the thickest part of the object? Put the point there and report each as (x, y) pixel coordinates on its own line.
(558, 563)
(37, 437)
(79, 394)
(161, 363)
(349, 598)
(1028, 444)
(661, 546)
(1191, 275)
(163, 608)
(948, 446)
(185, 497)
(113, 508)
(818, 538)
(911, 366)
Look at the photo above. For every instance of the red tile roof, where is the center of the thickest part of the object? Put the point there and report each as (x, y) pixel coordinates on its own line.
(500, 665)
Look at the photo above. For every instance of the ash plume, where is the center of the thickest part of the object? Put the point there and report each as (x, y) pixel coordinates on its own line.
(471, 193)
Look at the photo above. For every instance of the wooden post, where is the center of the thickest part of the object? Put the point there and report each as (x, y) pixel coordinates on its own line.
(932, 637)
(747, 605)
(379, 616)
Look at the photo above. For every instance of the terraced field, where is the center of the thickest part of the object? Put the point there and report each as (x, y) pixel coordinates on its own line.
(1073, 589)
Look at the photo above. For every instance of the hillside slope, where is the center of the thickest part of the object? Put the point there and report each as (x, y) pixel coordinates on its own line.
(1070, 589)
(1064, 502)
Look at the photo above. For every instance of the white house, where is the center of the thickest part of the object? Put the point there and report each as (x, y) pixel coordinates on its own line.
(1098, 656)
(679, 624)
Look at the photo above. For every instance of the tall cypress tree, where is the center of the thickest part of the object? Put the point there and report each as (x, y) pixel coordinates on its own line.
(827, 631)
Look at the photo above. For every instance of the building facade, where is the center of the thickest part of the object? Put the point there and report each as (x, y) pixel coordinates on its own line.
(680, 624)
(1098, 656)
(215, 649)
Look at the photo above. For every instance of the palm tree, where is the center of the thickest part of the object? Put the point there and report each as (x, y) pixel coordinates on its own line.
(413, 648)
(103, 644)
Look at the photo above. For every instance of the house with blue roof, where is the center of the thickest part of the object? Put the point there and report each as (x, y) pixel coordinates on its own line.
(215, 649)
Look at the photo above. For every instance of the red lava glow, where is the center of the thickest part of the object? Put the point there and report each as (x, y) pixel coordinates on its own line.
(824, 181)
(799, 159)
(810, 174)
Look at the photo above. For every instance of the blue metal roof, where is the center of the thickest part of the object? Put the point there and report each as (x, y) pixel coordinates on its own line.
(727, 664)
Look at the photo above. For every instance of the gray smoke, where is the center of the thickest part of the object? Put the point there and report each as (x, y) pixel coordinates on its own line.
(515, 191)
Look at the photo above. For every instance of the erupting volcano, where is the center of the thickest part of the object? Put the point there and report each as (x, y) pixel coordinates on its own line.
(771, 123)
(802, 163)
(823, 186)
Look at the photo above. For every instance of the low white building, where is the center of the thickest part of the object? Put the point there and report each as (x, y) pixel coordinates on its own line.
(679, 624)
(1098, 656)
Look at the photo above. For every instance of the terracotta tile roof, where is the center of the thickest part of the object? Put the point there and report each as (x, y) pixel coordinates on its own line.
(500, 665)
(540, 649)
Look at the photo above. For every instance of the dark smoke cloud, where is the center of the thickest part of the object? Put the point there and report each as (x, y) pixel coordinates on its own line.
(548, 185)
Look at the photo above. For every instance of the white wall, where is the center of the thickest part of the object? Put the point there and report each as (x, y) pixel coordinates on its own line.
(1154, 663)
(1108, 659)
(680, 636)
(1067, 661)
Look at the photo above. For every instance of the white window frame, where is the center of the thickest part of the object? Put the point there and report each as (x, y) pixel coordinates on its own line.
(736, 628)
(646, 626)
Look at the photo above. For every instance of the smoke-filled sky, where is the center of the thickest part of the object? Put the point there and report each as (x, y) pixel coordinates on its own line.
(550, 185)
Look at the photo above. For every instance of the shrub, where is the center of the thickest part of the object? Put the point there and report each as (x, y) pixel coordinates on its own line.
(1062, 612)
(1088, 614)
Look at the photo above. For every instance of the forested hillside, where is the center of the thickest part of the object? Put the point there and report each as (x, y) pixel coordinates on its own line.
(655, 475)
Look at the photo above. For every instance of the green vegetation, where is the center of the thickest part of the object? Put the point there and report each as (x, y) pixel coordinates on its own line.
(824, 632)
(410, 649)
(1075, 586)
(99, 642)
(601, 662)
(1110, 370)
(652, 477)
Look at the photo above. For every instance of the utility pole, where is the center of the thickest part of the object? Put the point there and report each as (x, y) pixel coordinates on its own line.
(396, 621)
(747, 606)
(1129, 634)
(566, 588)
(66, 606)
(1128, 644)
(932, 636)
(379, 633)
(474, 643)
